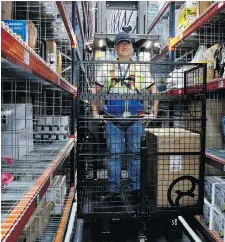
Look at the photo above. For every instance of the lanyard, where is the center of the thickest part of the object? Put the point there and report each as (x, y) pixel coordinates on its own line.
(123, 77)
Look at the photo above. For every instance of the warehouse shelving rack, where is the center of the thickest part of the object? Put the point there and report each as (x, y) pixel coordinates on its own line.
(31, 69)
(215, 164)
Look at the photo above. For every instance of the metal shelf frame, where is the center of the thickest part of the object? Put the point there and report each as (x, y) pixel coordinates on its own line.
(19, 53)
(67, 22)
(214, 85)
(158, 16)
(14, 223)
(204, 18)
(214, 9)
(215, 161)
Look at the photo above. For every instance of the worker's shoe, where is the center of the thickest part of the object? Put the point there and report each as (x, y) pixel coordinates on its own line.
(111, 197)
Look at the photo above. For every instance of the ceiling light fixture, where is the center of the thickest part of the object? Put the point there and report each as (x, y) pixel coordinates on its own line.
(149, 43)
(100, 43)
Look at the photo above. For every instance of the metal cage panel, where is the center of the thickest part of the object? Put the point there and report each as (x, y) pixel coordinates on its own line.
(140, 149)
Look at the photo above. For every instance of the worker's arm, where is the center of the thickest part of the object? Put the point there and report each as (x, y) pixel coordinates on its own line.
(155, 107)
(95, 104)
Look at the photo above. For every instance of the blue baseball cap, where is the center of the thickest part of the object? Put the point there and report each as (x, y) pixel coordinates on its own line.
(122, 36)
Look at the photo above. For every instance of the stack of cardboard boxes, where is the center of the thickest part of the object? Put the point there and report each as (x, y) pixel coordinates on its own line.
(164, 169)
(214, 205)
(50, 128)
(189, 12)
(17, 130)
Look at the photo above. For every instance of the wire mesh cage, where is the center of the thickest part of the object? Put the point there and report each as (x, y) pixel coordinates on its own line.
(35, 119)
(140, 148)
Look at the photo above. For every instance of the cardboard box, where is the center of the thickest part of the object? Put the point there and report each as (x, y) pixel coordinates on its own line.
(207, 215)
(163, 170)
(26, 30)
(218, 224)
(52, 54)
(202, 6)
(16, 144)
(32, 35)
(220, 197)
(187, 15)
(37, 222)
(56, 193)
(59, 62)
(17, 116)
(209, 188)
(6, 7)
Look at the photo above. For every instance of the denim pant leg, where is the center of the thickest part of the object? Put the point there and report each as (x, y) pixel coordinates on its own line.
(134, 134)
(115, 145)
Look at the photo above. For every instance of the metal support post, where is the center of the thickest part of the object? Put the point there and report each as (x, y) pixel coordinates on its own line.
(143, 174)
(142, 17)
(73, 73)
(172, 28)
(101, 17)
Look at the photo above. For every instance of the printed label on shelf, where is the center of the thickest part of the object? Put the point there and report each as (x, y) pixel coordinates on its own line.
(26, 57)
(175, 163)
(220, 84)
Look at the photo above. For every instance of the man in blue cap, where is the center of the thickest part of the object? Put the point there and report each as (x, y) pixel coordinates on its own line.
(123, 78)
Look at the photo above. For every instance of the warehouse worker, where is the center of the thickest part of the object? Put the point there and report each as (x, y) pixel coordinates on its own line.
(123, 79)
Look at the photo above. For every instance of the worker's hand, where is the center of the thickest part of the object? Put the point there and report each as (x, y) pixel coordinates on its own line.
(148, 117)
(99, 117)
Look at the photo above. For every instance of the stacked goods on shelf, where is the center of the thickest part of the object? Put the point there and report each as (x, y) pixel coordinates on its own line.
(203, 55)
(51, 128)
(187, 15)
(56, 193)
(26, 30)
(59, 62)
(164, 169)
(214, 205)
(206, 217)
(17, 130)
(6, 7)
(219, 62)
(37, 222)
(202, 6)
(52, 48)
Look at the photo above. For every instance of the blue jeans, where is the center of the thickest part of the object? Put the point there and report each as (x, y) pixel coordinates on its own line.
(115, 144)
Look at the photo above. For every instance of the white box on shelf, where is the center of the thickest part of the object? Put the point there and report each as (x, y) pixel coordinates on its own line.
(41, 120)
(63, 129)
(209, 188)
(17, 116)
(16, 144)
(220, 198)
(49, 120)
(207, 215)
(56, 120)
(218, 222)
(65, 120)
(56, 193)
(55, 129)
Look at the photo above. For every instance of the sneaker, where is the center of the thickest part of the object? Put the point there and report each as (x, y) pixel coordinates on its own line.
(111, 197)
